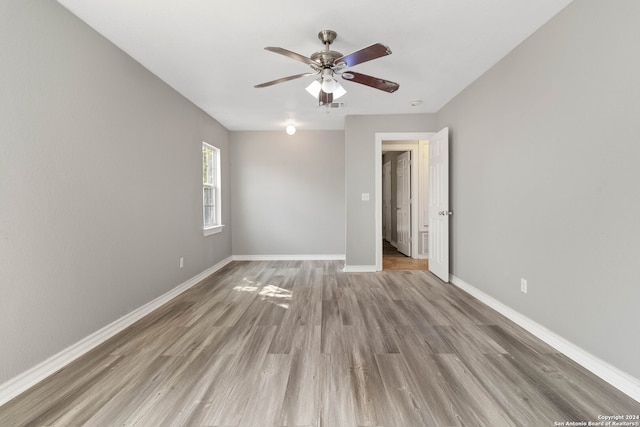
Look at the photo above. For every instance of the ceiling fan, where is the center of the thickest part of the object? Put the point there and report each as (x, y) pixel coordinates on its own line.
(328, 64)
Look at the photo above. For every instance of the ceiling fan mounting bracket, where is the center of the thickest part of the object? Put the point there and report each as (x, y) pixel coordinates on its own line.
(327, 36)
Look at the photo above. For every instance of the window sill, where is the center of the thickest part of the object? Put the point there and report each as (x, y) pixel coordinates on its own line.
(212, 230)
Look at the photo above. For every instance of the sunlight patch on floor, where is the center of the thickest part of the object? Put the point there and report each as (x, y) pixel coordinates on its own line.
(270, 293)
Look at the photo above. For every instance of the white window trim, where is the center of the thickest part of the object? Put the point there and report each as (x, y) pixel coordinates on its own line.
(212, 230)
(217, 228)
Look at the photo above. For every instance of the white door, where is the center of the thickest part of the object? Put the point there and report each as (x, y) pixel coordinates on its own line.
(439, 204)
(386, 201)
(403, 203)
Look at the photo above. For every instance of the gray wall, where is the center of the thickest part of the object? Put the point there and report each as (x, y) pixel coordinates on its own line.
(100, 184)
(360, 134)
(545, 179)
(288, 193)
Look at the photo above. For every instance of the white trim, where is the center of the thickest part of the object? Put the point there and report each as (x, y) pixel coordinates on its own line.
(27, 379)
(215, 229)
(614, 376)
(317, 257)
(360, 269)
(217, 186)
(394, 136)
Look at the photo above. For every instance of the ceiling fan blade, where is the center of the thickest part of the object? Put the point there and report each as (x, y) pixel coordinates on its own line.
(373, 82)
(296, 56)
(363, 55)
(325, 98)
(284, 79)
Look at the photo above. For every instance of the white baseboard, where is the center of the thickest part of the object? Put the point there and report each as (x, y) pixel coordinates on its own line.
(317, 257)
(339, 257)
(359, 269)
(614, 376)
(27, 379)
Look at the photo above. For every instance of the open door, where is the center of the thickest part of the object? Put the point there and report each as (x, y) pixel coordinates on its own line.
(439, 204)
(403, 203)
(386, 201)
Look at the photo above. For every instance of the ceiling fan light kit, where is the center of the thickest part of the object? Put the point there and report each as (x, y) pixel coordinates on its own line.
(329, 63)
(315, 87)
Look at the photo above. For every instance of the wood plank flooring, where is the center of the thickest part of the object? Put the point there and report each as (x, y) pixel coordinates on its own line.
(304, 344)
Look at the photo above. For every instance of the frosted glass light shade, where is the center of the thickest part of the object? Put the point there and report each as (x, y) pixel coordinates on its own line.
(314, 88)
(339, 91)
(329, 84)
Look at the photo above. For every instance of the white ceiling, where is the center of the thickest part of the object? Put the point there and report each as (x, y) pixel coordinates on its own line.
(212, 51)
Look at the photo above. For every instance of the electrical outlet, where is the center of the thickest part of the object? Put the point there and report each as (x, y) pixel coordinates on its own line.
(181, 262)
(523, 285)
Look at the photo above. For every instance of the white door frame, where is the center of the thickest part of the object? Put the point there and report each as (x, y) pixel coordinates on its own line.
(396, 136)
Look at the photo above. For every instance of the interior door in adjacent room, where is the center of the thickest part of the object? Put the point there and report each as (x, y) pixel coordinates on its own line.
(386, 201)
(403, 203)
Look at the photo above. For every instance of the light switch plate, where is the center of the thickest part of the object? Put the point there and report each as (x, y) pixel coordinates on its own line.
(365, 197)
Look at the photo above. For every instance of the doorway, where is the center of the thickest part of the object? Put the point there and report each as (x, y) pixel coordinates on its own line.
(395, 144)
(435, 214)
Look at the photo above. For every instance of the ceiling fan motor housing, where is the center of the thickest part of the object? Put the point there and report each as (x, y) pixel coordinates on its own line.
(326, 57)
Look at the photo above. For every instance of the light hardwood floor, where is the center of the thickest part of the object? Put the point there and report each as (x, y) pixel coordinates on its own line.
(394, 260)
(304, 344)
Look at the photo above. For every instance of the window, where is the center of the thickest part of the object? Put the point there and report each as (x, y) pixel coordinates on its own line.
(211, 189)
